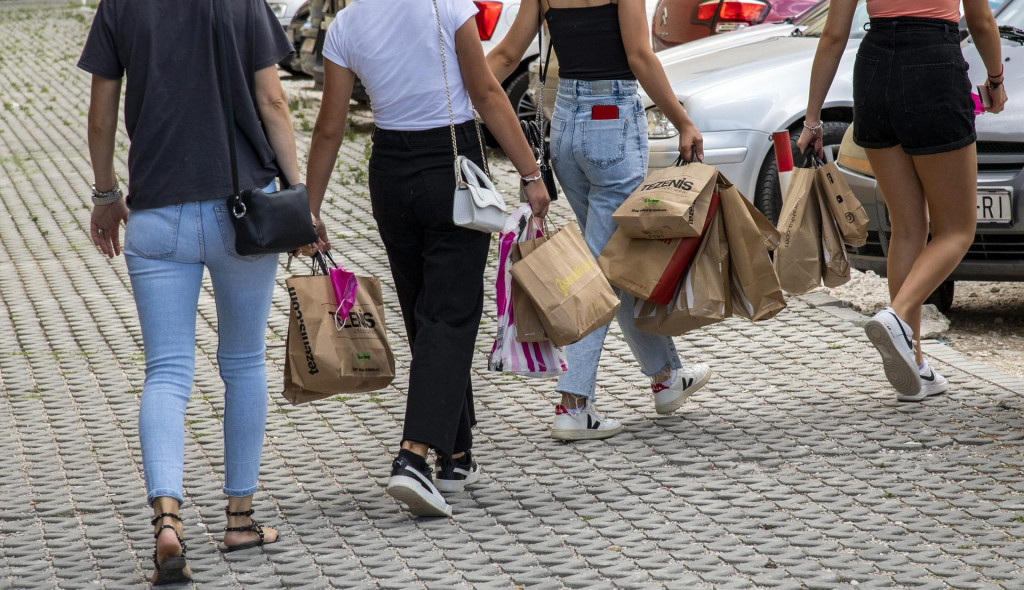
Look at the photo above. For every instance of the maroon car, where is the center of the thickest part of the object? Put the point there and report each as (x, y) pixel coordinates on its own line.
(678, 21)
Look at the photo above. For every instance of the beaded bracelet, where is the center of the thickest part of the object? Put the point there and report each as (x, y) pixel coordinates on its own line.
(818, 127)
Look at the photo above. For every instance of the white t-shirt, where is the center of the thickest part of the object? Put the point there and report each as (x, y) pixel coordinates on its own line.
(392, 47)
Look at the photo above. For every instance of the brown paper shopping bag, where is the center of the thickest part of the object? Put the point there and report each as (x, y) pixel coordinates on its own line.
(756, 293)
(561, 277)
(835, 264)
(798, 260)
(322, 360)
(650, 269)
(702, 297)
(670, 203)
(529, 328)
(847, 210)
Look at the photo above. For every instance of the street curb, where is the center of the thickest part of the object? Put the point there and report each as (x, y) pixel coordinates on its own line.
(933, 348)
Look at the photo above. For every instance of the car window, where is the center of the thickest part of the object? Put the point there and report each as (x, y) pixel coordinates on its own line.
(857, 28)
(812, 14)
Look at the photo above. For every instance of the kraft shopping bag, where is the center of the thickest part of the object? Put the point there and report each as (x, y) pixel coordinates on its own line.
(835, 264)
(670, 203)
(529, 328)
(322, 360)
(702, 298)
(537, 358)
(847, 210)
(798, 259)
(561, 277)
(651, 269)
(756, 293)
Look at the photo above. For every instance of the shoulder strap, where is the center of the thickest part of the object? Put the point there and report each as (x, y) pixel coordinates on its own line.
(225, 92)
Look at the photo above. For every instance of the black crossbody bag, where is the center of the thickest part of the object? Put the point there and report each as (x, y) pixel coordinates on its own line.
(536, 130)
(264, 223)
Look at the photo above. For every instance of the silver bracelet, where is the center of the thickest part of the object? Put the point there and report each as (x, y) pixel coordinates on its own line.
(818, 127)
(528, 179)
(106, 197)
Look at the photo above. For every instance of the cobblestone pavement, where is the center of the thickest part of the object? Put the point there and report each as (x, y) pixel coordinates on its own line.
(794, 468)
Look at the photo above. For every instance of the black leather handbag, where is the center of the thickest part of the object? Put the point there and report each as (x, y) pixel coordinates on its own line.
(536, 130)
(264, 223)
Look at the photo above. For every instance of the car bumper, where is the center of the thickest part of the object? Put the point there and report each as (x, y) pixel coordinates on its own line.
(996, 255)
(738, 155)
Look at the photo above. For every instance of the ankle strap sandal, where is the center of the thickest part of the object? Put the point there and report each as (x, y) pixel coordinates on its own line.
(173, 569)
(253, 526)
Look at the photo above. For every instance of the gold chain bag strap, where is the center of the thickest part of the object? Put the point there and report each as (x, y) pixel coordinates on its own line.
(477, 204)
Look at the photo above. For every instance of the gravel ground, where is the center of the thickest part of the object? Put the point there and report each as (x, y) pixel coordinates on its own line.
(986, 320)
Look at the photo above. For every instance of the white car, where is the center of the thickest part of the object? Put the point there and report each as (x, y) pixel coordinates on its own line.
(286, 9)
(493, 22)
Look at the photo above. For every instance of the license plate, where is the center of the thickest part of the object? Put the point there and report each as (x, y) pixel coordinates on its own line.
(995, 205)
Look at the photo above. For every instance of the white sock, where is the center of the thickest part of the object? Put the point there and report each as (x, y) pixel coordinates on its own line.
(673, 374)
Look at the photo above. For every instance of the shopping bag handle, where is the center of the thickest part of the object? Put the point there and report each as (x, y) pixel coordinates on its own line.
(320, 260)
(811, 159)
(693, 157)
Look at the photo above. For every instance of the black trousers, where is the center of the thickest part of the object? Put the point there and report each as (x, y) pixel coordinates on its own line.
(438, 269)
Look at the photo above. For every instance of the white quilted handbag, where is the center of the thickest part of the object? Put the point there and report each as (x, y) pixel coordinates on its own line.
(478, 205)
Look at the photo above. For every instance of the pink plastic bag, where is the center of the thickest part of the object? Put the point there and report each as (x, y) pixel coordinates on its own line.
(345, 286)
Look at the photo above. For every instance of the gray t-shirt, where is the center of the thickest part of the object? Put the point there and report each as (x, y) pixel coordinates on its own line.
(172, 108)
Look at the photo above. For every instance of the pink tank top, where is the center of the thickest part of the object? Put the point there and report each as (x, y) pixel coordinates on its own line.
(942, 9)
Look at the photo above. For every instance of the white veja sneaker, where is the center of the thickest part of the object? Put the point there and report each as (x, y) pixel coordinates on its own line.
(585, 425)
(668, 398)
(894, 340)
(931, 384)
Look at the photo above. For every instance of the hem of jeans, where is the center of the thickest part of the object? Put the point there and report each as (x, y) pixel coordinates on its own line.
(242, 493)
(672, 364)
(941, 149)
(591, 396)
(152, 495)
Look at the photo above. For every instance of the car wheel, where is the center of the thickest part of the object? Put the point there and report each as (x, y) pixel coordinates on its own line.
(293, 62)
(942, 298)
(522, 104)
(768, 198)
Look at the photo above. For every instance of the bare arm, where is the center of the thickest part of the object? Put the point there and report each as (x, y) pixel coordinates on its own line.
(985, 33)
(505, 57)
(492, 103)
(651, 76)
(328, 133)
(105, 221)
(273, 108)
(826, 61)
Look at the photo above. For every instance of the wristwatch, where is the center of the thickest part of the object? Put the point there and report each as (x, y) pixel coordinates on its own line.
(106, 197)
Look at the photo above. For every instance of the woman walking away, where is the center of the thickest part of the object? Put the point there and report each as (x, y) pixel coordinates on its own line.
(179, 181)
(914, 116)
(599, 154)
(420, 71)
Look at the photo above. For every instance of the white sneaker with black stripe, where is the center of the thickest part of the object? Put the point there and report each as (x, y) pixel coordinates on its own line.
(670, 394)
(894, 340)
(582, 424)
(414, 487)
(931, 384)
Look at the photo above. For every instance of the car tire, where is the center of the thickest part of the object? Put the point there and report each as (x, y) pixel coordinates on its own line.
(942, 298)
(768, 197)
(293, 62)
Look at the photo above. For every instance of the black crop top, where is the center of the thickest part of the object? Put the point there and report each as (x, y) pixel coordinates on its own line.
(588, 42)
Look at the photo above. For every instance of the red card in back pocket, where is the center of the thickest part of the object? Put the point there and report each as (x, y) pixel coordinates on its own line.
(604, 111)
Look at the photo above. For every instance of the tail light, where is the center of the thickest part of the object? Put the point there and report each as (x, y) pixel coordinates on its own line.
(729, 15)
(487, 18)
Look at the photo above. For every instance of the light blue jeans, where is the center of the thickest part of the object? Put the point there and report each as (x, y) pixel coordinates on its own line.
(599, 163)
(166, 250)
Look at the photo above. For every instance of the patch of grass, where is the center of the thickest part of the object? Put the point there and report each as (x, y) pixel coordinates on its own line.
(340, 398)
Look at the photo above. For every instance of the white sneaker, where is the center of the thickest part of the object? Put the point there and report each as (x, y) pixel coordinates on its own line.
(682, 384)
(931, 384)
(585, 425)
(894, 340)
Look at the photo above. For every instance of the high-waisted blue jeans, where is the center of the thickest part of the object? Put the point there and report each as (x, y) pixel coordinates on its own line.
(599, 163)
(166, 250)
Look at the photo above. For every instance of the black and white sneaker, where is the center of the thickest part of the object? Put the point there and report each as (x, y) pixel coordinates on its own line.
(412, 485)
(453, 475)
(894, 340)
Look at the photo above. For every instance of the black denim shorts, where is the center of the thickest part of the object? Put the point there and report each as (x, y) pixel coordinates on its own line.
(910, 87)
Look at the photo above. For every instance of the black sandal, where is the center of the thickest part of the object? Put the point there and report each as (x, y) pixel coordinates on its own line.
(173, 569)
(253, 526)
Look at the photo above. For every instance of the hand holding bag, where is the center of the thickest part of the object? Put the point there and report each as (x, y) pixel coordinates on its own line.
(264, 223)
(477, 204)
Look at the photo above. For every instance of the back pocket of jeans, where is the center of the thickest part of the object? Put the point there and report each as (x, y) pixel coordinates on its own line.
(227, 233)
(863, 75)
(928, 88)
(152, 233)
(604, 141)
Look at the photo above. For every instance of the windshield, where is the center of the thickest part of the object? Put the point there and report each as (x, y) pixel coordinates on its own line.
(812, 14)
(1012, 15)
(860, 18)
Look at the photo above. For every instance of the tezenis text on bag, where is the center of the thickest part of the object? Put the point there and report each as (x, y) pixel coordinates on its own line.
(310, 361)
(357, 319)
(684, 184)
